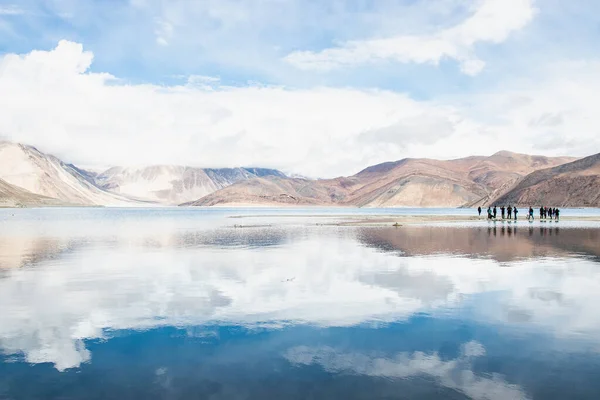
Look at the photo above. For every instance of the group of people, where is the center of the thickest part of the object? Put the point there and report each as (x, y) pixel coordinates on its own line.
(508, 212)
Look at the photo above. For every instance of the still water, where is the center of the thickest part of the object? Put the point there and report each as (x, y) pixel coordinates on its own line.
(186, 304)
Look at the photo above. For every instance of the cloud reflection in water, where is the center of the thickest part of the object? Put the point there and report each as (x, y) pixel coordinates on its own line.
(323, 277)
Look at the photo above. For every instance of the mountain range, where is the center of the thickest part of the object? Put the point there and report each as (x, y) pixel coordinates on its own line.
(465, 182)
(29, 177)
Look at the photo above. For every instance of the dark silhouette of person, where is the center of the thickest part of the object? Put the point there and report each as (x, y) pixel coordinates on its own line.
(515, 211)
(556, 214)
(489, 211)
(530, 213)
(479, 210)
(503, 211)
(495, 212)
(541, 212)
(550, 212)
(509, 209)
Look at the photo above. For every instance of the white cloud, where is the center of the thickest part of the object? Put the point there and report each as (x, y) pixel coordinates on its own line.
(58, 106)
(163, 32)
(10, 9)
(94, 118)
(454, 374)
(492, 22)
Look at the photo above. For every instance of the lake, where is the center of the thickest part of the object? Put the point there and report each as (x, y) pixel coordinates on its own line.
(180, 303)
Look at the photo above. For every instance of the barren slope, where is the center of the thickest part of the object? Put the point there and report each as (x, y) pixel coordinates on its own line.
(13, 196)
(43, 174)
(408, 182)
(268, 191)
(575, 184)
(173, 184)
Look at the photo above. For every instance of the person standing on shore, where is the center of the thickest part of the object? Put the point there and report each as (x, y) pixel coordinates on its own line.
(495, 212)
(509, 209)
(556, 214)
(489, 211)
(541, 212)
(502, 211)
(515, 211)
(479, 210)
(550, 212)
(530, 214)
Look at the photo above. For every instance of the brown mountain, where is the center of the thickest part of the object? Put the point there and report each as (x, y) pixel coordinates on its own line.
(14, 196)
(575, 184)
(408, 182)
(28, 168)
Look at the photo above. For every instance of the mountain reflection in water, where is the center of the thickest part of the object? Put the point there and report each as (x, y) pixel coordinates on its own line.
(507, 242)
(167, 307)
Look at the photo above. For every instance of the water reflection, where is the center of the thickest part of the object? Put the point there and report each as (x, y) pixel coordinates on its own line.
(216, 310)
(454, 374)
(504, 243)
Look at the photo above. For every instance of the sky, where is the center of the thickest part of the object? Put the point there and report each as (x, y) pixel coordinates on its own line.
(312, 87)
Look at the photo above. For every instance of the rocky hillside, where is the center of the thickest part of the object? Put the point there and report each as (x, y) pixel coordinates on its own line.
(172, 184)
(575, 184)
(406, 183)
(43, 174)
(269, 191)
(13, 196)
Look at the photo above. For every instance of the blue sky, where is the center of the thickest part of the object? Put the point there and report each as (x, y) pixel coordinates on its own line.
(467, 60)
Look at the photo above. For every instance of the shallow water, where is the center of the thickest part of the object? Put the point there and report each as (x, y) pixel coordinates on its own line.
(180, 303)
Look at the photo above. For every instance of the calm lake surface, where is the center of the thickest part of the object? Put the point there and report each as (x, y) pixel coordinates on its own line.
(179, 303)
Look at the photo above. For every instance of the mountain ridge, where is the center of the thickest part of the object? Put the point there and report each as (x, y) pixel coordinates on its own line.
(572, 184)
(407, 182)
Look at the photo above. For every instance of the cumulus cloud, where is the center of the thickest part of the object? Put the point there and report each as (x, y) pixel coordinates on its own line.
(57, 104)
(93, 118)
(454, 374)
(492, 22)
